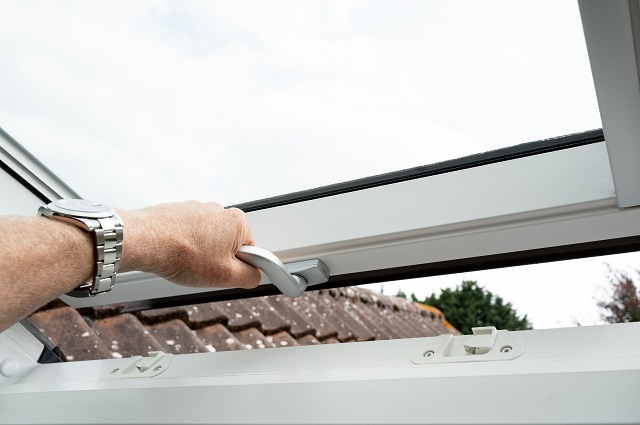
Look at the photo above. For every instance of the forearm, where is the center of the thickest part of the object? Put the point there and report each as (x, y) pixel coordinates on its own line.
(40, 260)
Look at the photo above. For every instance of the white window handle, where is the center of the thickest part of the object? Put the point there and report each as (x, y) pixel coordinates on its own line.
(291, 279)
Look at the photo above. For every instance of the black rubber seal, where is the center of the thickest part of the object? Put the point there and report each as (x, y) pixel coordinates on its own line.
(24, 182)
(51, 353)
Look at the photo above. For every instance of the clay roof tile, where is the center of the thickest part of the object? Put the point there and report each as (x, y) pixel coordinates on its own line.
(252, 338)
(175, 337)
(67, 329)
(318, 317)
(298, 326)
(271, 320)
(239, 316)
(218, 338)
(125, 336)
(283, 339)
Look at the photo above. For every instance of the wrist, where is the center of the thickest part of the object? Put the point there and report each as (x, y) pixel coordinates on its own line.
(137, 235)
(146, 246)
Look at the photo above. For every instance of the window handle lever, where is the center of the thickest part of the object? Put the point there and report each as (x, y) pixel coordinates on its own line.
(292, 278)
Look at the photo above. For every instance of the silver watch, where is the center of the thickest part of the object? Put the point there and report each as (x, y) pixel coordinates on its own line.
(106, 229)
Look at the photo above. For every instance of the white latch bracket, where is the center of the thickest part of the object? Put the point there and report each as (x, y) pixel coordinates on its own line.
(141, 367)
(486, 344)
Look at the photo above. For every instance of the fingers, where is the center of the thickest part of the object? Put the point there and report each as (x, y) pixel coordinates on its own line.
(244, 234)
(233, 226)
(245, 275)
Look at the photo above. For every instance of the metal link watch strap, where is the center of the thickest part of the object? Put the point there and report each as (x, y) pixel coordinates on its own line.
(108, 233)
(109, 247)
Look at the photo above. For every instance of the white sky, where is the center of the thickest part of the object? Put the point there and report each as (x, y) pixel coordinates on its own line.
(134, 103)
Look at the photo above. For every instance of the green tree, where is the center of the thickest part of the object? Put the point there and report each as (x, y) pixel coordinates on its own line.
(469, 306)
(624, 303)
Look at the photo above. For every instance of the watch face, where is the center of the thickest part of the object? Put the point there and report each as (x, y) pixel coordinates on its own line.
(81, 207)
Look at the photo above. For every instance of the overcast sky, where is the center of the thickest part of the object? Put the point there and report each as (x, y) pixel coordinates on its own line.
(134, 103)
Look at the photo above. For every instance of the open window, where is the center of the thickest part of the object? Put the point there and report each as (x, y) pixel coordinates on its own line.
(569, 197)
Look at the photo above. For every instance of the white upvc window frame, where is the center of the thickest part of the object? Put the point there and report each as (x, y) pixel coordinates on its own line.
(564, 200)
(584, 375)
(612, 34)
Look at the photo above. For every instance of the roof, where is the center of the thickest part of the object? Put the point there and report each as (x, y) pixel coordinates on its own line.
(318, 317)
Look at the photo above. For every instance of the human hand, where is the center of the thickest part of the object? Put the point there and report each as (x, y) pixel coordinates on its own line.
(189, 243)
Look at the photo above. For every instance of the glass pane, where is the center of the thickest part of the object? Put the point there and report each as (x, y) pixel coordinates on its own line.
(134, 103)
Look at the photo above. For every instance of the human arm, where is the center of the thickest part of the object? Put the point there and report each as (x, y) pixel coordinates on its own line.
(188, 243)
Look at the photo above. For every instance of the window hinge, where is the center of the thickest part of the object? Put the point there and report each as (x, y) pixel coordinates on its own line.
(486, 344)
(141, 367)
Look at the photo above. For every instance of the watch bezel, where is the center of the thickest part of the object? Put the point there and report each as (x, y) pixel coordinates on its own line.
(79, 208)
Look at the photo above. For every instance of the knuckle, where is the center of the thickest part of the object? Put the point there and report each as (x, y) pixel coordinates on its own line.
(214, 205)
(192, 203)
(235, 211)
(236, 214)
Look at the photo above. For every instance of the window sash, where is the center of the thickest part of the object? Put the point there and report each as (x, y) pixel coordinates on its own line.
(529, 209)
(612, 33)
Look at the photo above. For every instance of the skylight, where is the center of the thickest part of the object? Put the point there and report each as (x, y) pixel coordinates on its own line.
(240, 101)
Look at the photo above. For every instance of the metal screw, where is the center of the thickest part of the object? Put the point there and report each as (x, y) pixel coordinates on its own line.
(506, 349)
(429, 353)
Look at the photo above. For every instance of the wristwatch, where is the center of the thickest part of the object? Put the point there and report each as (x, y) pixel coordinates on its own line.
(106, 229)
